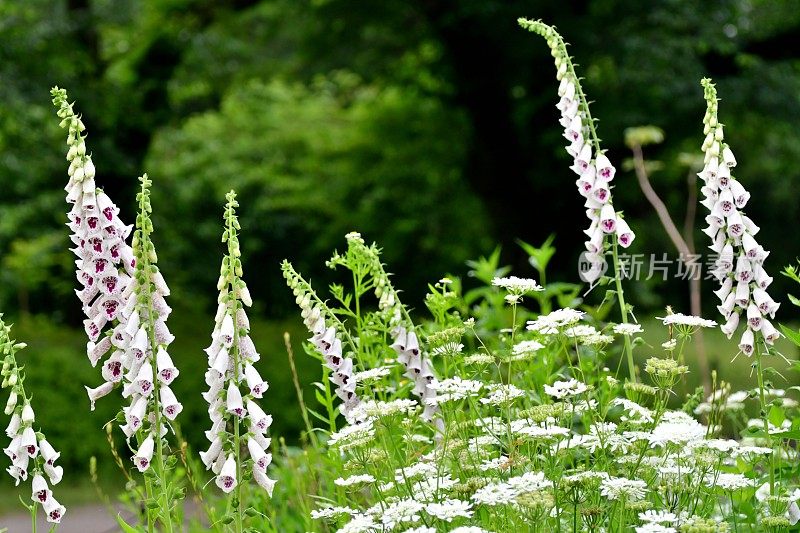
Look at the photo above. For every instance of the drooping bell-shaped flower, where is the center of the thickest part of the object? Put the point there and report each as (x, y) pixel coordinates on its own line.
(170, 405)
(226, 480)
(234, 404)
(261, 459)
(257, 385)
(54, 510)
(259, 420)
(40, 491)
(144, 454)
(98, 392)
(166, 369)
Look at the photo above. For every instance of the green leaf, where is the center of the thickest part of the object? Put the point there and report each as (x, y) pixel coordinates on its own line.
(126, 527)
(776, 416)
(318, 416)
(791, 334)
(320, 398)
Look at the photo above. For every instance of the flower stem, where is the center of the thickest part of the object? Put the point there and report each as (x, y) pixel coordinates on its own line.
(234, 311)
(623, 309)
(762, 401)
(147, 268)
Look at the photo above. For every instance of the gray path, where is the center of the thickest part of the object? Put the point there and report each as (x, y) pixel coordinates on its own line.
(79, 519)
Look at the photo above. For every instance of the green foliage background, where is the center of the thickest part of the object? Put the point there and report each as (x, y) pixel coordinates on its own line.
(428, 126)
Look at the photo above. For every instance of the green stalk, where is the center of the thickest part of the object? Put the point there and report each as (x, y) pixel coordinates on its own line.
(623, 310)
(234, 309)
(145, 245)
(762, 401)
(595, 140)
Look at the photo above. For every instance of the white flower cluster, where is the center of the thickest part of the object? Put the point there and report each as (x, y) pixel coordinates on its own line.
(518, 286)
(595, 172)
(105, 264)
(29, 451)
(231, 356)
(565, 389)
(504, 492)
(689, 321)
(739, 266)
(553, 322)
(620, 488)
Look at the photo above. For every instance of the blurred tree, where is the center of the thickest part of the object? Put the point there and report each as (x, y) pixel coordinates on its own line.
(311, 164)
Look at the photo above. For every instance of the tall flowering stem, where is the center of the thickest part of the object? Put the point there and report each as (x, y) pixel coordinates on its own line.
(30, 453)
(327, 333)
(149, 367)
(739, 266)
(231, 357)
(595, 173)
(105, 262)
(404, 337)
(122, 288)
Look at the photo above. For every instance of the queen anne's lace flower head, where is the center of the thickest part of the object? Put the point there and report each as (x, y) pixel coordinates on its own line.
(233, 381)
(740, 259)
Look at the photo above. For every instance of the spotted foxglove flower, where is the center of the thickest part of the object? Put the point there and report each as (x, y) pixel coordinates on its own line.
(54, 510)
(326, 330)
(105, 262)
(739, 266)
(594, 170)
(31, 455)
(233, 381)
(227, 479)
(144, 454)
